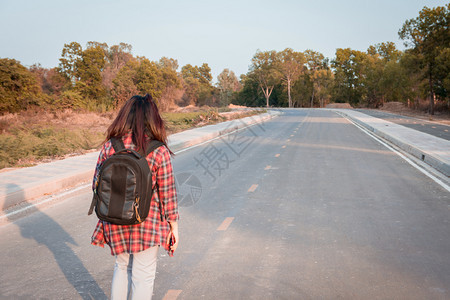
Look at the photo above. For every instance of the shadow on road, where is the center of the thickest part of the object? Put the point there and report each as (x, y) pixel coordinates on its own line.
(49, 233)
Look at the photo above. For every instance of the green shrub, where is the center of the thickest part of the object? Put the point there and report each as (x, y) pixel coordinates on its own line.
(46, 142)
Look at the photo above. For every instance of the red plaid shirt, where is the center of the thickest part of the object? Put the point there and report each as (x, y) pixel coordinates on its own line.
(153, 231)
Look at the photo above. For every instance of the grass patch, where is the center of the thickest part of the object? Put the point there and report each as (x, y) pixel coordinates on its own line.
(176, 121)
(180, 121)
(30, 138)
(24, 147)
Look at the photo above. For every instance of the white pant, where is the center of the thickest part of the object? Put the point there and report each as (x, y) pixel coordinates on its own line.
(136, 271)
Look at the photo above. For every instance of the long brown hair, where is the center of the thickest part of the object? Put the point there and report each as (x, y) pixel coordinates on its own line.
(139, 115)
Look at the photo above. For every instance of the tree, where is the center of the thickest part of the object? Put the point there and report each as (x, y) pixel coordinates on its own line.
(70, 57)
(205, 73)
(443, 73)
(191, 83)
(89, 71)
(52, 84)
(202, 73)
(319, 74)
(348, 83)
(197, 84)
(169, 63)
(388, 51)
(206, 89)
(147, 76)
(191, 90)
(117, 56)
(19, 88)
(124, 83)
(250, 93)
(386, 79)
(264, 69)
(302, 90)
(411, 65)
(290, 64)
(372, 67)
(84, 70)
(172, 86)
(227, 83)
(322, 81)
(429, 35)
(395, 83)
(50, 80)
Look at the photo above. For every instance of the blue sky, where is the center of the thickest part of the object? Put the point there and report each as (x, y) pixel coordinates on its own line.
(224, 34)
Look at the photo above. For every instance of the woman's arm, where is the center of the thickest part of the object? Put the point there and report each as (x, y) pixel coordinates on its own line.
(167, 195)
(100, 160)
(174, 233)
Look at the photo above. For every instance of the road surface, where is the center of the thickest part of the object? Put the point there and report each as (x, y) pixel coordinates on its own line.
(305, 206)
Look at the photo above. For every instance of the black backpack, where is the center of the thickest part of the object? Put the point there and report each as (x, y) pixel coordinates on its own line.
(124, 189)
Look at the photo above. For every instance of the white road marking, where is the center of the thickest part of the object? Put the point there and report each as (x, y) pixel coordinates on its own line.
(431, 176)
(225, 224)
(267, 167)
(49, 199)
(252, 188)
(172, 294)
(284, 146)
(216, 138)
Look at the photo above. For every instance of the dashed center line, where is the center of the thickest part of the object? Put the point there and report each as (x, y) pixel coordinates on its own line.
(252, 188)
(225, 224)
(172, 294)
(288, 140)
(277, 155)
(292, 135)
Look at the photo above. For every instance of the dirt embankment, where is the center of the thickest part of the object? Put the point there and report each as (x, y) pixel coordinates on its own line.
(401, 109)
(232, 111)
(339, 105)
(60, 119)
(32, 137)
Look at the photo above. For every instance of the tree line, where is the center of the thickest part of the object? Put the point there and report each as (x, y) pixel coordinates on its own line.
(101, 77)
(362, 78)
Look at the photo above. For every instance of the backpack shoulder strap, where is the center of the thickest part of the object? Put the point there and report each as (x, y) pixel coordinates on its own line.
(152, 145)
(117, 144)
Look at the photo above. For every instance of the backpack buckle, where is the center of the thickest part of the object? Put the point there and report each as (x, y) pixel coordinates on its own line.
(136, 207)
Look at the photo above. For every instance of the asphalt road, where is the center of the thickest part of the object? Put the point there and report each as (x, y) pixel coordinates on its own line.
(305, 206)
(433, 128)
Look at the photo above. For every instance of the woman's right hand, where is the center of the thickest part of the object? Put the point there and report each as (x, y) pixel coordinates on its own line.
(173, 232)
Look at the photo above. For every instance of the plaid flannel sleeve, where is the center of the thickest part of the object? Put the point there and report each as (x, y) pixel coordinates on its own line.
(100, 160)
(167, 193)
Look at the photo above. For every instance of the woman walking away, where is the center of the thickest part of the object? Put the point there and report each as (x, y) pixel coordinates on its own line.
(135, 247)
